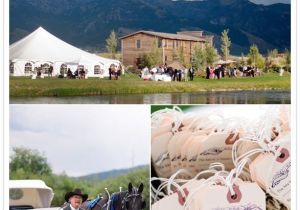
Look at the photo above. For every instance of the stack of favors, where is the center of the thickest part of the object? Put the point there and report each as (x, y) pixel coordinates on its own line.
(221, 158)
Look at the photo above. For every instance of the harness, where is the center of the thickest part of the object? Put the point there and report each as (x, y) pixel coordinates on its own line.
(127, 197)
(93, 203)
(111, 202)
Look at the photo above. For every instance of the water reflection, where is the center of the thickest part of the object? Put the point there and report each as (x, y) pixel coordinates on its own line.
(232, 97)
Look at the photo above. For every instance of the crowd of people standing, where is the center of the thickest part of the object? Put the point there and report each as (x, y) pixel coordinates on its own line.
(175, 74)
(221, 71)
(187, 74)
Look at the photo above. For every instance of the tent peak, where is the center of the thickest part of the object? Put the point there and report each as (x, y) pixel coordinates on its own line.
(40, 28)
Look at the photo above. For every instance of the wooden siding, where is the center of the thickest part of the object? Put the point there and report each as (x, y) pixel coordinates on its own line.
(130, 52)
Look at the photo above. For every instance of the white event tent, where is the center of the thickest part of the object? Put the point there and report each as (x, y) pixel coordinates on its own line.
(41, 47)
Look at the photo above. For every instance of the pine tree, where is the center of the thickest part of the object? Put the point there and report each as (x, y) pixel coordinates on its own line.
(225, 44)
(112, 44)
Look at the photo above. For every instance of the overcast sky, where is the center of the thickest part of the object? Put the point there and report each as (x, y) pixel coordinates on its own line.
(83, 139)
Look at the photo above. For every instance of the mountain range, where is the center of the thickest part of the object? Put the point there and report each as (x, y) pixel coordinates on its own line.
(87, 23)
(109, 174)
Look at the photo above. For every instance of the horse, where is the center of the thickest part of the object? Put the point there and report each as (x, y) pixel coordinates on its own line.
(132, 199)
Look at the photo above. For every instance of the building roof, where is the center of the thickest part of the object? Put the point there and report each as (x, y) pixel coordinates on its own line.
(41, 45)
(168, 36)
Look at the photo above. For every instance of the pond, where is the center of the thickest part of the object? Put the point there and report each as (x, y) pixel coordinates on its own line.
(220, 97)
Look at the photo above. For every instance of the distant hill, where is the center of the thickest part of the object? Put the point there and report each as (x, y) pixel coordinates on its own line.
(87, 23)
(135, 176)
(109, 174)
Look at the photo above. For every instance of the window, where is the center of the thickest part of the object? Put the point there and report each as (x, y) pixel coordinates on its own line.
(63, 69)
(97, 69)
(28, 68)
(11, 68)
(166, 58)
(45, 68)
(138, 44)
(166, 43)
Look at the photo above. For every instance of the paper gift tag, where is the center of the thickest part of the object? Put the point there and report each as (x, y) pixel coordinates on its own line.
(174, 148)
(202, 132)
(218, 197)
(160, 131)
(164, 126)
(192, 152)
(217, 147)
(191, 121)
(273, 173)
(188, 121)
(189, 154)
(184, 159)
(173, 151)
(176, 200)
(285, 113)
(259, 167)
(163, 122)
(160, 155)
(179, 145)
(279, 180)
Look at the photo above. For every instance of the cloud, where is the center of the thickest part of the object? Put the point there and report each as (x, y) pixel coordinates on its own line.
(83, 139)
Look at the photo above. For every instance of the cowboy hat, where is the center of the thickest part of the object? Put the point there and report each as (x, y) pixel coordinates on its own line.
(76, 192)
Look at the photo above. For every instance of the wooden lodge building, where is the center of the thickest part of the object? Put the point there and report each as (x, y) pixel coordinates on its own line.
(135, 45)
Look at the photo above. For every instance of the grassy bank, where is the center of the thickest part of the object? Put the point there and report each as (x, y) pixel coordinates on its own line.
(132, 84)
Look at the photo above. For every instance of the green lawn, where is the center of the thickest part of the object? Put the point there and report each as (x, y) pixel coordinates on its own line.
(129, 84)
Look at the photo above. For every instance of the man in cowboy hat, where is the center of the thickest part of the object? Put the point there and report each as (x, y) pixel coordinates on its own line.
(75, 199)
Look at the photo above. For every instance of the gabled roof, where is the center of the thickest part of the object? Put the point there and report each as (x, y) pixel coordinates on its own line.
(168, 36)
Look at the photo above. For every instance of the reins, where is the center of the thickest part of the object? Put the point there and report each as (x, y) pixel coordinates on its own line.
(127, 198)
